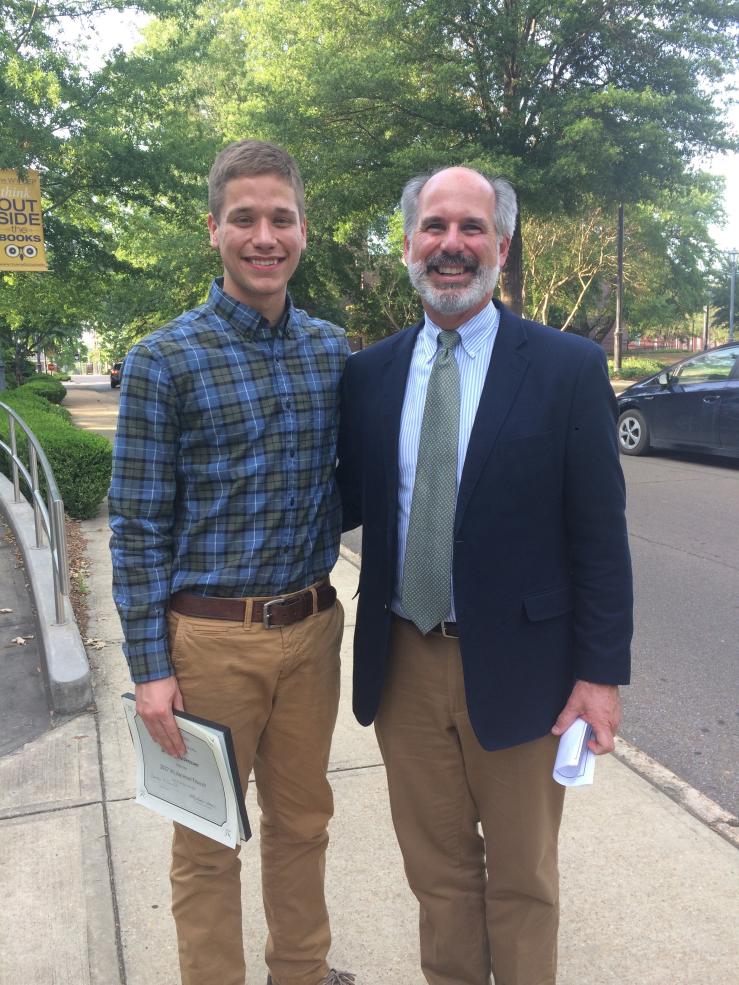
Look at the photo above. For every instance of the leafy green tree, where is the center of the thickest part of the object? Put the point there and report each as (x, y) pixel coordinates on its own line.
(569, 99)
(720, 295)
(578, 102)
(570, 264)
(116, 147)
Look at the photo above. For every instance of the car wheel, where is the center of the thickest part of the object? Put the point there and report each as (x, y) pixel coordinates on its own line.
(633, 433)
(113, 385)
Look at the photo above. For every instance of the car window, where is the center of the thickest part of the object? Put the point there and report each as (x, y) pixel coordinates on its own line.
(708, 368)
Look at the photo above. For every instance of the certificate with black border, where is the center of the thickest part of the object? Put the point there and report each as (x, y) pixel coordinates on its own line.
(202, 790)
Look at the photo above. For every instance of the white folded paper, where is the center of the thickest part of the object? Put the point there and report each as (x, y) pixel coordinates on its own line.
(575, 763)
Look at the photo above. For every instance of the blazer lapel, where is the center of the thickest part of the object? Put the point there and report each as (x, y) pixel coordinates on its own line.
(508, 365)
(394, 380)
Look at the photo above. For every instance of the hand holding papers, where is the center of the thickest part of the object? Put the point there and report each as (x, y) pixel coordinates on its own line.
(575, 763)
(202, 790)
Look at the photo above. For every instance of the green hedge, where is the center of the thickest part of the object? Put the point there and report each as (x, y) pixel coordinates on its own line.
(81, 461)
(46, 387)
(637, 367)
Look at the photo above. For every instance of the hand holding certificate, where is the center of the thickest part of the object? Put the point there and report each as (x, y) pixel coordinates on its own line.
(202, 790)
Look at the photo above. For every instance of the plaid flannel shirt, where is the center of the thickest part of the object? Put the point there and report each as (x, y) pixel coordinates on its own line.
(223, 466)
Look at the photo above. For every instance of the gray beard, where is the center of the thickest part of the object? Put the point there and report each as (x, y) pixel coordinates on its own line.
(453, 300)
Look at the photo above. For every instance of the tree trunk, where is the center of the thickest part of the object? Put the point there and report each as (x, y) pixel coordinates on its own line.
(18, 362)
(511, 278)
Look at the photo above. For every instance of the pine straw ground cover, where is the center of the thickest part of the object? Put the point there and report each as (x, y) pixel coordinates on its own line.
(78, 567)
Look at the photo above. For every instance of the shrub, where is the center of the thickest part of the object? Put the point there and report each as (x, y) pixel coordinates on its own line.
(637, 367)
(47, 387)
(80, 461)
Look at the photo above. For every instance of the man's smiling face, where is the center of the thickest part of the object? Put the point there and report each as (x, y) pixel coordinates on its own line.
(454, 255)
(260, 236)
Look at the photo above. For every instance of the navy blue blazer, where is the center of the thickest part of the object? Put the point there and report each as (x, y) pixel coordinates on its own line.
(542, 573)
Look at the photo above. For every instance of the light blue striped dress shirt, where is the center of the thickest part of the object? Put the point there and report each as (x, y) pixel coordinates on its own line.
(473, 358)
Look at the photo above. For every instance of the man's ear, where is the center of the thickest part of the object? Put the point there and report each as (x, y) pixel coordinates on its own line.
(304, 231)
(213, 229)
(406, 249)
(503, 247)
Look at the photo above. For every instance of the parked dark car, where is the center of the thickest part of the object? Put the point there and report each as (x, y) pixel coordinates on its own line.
(691, 406)
(115, 375)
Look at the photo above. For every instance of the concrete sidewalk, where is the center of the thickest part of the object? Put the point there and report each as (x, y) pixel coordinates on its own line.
(649, 893)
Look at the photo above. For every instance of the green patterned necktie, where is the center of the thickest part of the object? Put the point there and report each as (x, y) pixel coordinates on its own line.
(427, 570)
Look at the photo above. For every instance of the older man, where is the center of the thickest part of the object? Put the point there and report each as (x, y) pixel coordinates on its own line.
(478, 452)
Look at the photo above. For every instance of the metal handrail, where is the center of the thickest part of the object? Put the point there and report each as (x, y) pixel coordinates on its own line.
(48, 515)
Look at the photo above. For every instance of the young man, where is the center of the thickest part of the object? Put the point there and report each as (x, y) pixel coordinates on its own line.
(478, 450)
(226, 524)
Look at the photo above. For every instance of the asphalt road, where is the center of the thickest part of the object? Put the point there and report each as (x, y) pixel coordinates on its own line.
(682, 708)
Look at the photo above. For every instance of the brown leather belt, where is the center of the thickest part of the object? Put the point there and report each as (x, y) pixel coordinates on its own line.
(273, 613)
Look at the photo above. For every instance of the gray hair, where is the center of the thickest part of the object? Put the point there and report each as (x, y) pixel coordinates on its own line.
(506, 208)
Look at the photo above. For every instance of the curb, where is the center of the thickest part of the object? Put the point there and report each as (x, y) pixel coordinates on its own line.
(65, 662)
(691, 800)
(351, 556)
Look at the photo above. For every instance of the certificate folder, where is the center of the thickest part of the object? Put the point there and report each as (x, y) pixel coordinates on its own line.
(202, 790)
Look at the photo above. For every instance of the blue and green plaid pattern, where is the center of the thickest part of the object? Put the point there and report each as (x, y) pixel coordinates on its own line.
(223, 466)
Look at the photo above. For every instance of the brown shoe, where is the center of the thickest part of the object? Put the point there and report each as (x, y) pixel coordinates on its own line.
(333, 977)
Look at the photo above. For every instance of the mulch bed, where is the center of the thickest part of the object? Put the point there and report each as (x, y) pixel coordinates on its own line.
(78, 567)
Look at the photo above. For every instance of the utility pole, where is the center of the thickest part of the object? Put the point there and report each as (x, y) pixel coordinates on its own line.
(732, 257)
(618, 335)
(705, 328)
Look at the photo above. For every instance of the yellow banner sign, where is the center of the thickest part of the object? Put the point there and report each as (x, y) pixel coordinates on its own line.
(21, 222)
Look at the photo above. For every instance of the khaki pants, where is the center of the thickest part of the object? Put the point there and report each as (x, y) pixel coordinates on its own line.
(488, 902)
(278, 691)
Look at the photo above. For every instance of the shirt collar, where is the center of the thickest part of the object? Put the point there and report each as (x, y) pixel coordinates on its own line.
(473, 333)
(249, 321)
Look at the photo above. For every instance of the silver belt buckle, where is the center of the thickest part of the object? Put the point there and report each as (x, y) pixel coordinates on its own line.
(265, 611)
